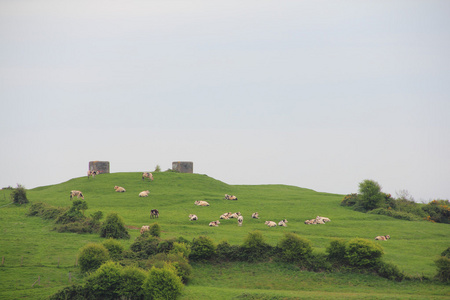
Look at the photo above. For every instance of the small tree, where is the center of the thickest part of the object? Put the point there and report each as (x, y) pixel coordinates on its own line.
(443, 269)
(162, 284)
(157, 169)
(155, 230)
(104, 283)
(370, 195)
(114, 227)
(337, 251)
(254, 246)
(202, 248)
(92, 256)
(115, 248)
(294, 248)
(363, 253)
(19, 195)
(131, 283)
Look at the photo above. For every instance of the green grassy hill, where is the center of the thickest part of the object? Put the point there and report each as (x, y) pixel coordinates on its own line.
(31, 248)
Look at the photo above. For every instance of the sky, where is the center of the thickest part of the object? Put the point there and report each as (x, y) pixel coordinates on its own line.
(315, 94)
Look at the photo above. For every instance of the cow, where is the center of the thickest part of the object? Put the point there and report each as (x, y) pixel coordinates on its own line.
(230, 197)
(92, 173)
(323, 219)
(235, 215)
(283, 223)
(240, 220)
(214, 223)
(255, 215)
(270, 223)
(201, 203)
(382, 237)
(77, 194)
(154, 213)
(144, 228)
(144, 193)
(193, 217)
(147, 175)
(225, 216)
(120, 189)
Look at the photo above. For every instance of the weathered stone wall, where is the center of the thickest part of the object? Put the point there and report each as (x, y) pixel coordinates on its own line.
(183, 166)
(102, 166)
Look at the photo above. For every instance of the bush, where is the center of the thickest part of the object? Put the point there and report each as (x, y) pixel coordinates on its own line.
(362, 253)
(438, 211)
(395, 214)
(92, 256)
(336, 251)
(446, 252)
(115, 249)
(370, 196)
(443, 269)
(255, 248)
(162, 284)
(83, 226)
(165, 246)
(45, 211)
(155, 230)
(350, 200)
(227, 252)
(104, 283)
(114, 227)
(73, 292)
(181, 249)
(316, 263)
(202, 248)
(180, 263)
(294, 248)
(390, 271)
(145, 245)
(74, 214)
(19, 195)
(132, 279)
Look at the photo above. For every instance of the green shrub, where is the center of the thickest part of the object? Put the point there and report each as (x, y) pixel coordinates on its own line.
(294, 248)
(19, 195)
(165, 246)
(45, 211)
(74, 214)
(115, 249)
(86, 225)
(227, 252)
(438, 211)
(132, 279)
(155, 230)
(350, 200)
(157, 169)
(145, 245)
(97, 216)
(390, 271)
(336, 251)
(255, 248)
(395, 214)
(162, 284)
(363, 253)
(92, 256)
(73, 292)
(105, 282)
(370, 196)
(180, 263)
(317, 262)
(443, 269)
(181, 249)
(114, 227)
(446, 252)
(202, 248)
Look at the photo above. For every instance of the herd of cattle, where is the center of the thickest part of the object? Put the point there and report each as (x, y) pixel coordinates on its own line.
(154, 213)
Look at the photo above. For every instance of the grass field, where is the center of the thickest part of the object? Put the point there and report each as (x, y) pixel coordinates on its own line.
(31, 248)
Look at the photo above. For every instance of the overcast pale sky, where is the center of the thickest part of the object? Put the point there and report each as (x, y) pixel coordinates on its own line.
(316, 94)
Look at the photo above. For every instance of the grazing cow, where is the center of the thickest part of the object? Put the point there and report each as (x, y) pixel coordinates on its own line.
(225, 216)
(382, 237)
(270, 223)
(255, 215)
(283, 223)
(77, 194)
(92, 173)
(147, 175)
(145, 228)
(214, 223)
(144, 193)
(154, 213)
(201, 203)
(120, 189)
(193, 217)
(230, 197)
(240, 220)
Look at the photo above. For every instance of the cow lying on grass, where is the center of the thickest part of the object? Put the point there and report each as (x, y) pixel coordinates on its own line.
(255, 215)
(283, 223)
(271, 223)
(119, 189)
(382, 237)
(214, 223)
(317, 220)
(240, 220)
(230, 197)
(144, 193)
(201, 203)
(193, 217)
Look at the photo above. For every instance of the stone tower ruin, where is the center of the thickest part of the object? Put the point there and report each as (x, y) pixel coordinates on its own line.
(101, 166)
(183, 166)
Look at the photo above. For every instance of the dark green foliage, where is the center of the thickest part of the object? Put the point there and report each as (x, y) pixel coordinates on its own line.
(362, 253)
(395, 214)
(165, 245)
(145, 245)
(74, 214)
(97, 216)
(105, 282)
(336, 251)
(92, 256)
(115, 249)
(227, 252)
(255, 248)
(350, 200)
(182, 249)
(317, 262)
(438, 211)
(389, 271)
(370, 196)
(19, 195)
(155, 230)
(46, 211)
(202, 248)
(86, 225)
(293, 248)
(73, 292)
(114, 227)
(132, 279)
(179, 262)
(446, 252)
(443, 269)
(162, 284)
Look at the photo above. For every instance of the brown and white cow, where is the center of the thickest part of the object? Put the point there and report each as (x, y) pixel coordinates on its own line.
(147, 175)
(77, 194)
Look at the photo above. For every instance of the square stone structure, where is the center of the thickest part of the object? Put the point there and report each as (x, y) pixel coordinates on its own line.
(183, 166)
(102, 166)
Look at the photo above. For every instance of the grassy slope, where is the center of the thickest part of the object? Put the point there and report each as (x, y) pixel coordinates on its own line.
(413, 247)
